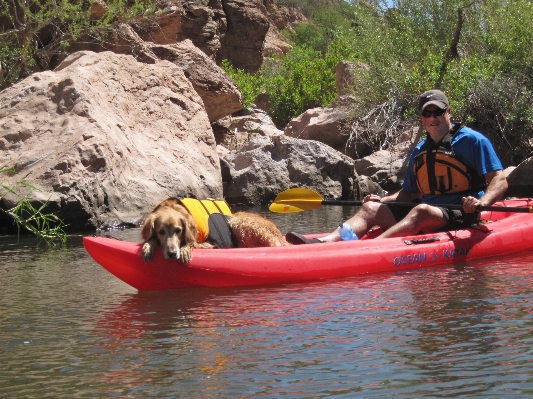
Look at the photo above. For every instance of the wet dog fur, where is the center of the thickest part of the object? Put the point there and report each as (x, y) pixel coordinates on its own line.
(170, 225)
(252, 230)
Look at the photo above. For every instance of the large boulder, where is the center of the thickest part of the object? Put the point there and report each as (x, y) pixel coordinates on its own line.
(244, 40)
(104, 138)
(236, 130)
(204, 25)
(218, 91)
(268, 165)
(329, 125)
(520, 179)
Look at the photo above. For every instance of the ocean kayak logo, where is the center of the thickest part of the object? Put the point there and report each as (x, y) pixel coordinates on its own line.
(423, 257)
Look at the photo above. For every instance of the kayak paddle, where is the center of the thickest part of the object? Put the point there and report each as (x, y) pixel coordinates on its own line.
(305, 199)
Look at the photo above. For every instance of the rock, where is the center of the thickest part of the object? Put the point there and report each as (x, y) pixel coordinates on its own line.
(274, 45)
(261, 102)
(123, 40)
(364, 186)
(329, 125)
(203, 25)
(520, 179)
(161, 28)
(104, 138)
(345, 74)
(218, 91)
(245, 36)
(236, 130)
(268, 165)
(387, 168)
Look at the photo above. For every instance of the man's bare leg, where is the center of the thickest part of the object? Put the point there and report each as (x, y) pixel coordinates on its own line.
(371, 214)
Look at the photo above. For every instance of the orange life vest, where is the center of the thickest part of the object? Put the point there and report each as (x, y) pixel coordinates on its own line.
(439, 170)
(211, 220)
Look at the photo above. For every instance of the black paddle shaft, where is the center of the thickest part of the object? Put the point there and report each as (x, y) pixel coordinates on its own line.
(448, 206)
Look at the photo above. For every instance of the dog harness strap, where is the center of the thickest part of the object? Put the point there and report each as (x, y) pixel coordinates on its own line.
(222, 204)
(219, 231)
(216, 206)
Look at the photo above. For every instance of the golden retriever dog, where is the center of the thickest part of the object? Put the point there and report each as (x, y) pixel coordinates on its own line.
(253, 230)
(170, 225)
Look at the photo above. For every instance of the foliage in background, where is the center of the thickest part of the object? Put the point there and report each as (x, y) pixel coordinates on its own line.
(250, 85)
(477, 52)
(303, 79)
(34, 32)
(46, 226)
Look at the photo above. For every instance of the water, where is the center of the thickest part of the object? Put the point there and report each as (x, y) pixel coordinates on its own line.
(69, 329)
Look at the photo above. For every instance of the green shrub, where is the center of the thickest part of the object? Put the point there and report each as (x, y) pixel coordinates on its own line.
(250, 85)
(303, 79)
(46, 226)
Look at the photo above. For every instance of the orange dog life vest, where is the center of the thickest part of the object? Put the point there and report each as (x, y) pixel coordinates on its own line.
(211, 221)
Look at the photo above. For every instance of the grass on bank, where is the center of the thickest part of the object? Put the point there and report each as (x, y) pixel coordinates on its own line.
(47, 227)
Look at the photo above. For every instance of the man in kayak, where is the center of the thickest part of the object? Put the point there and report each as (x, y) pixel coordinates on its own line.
(453, 165)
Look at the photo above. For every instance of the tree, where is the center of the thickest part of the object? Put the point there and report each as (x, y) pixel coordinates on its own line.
(34, 32)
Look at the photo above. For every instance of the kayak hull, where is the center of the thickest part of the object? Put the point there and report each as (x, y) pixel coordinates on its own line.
(506, 233)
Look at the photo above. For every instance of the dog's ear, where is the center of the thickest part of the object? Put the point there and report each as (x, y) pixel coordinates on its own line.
(190, 231)
(147, 230)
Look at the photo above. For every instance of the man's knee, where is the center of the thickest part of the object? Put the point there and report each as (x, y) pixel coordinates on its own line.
(371, 208)
(426, 216)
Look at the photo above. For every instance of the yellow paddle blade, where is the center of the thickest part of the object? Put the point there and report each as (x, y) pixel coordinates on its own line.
(296, 200)
(292, 207)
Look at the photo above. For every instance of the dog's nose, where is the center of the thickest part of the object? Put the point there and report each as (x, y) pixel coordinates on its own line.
(172, 254)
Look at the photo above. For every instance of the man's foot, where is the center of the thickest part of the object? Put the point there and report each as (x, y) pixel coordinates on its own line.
(297, 239)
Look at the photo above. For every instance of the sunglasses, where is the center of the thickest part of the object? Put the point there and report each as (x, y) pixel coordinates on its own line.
(436, 112)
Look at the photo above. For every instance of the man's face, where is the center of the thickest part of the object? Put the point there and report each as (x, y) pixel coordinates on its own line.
(436, 126)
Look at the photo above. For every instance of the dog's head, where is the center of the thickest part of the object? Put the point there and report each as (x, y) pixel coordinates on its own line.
(173, 227)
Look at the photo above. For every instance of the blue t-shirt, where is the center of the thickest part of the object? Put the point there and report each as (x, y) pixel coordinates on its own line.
(475, 149)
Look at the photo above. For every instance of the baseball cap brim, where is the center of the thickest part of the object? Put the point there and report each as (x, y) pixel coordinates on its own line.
(439, 104)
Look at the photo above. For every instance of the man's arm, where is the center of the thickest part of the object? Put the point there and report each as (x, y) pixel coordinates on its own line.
(496, 187)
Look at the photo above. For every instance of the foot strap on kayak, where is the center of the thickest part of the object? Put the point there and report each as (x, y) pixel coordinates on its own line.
(422, 240)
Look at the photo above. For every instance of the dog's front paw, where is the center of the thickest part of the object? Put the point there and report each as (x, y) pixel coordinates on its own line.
(185, 255)
(148, 251)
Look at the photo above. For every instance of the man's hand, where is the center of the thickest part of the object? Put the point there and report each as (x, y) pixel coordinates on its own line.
(497, 184)
(371, 197)
(470, 204)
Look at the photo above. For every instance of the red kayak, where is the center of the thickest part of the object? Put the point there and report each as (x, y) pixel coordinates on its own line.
(503, 232)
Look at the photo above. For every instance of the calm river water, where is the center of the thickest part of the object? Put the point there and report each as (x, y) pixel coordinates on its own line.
(69, 329)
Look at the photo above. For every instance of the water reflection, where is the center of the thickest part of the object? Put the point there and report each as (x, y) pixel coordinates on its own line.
(377, 333)
(323, 219)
